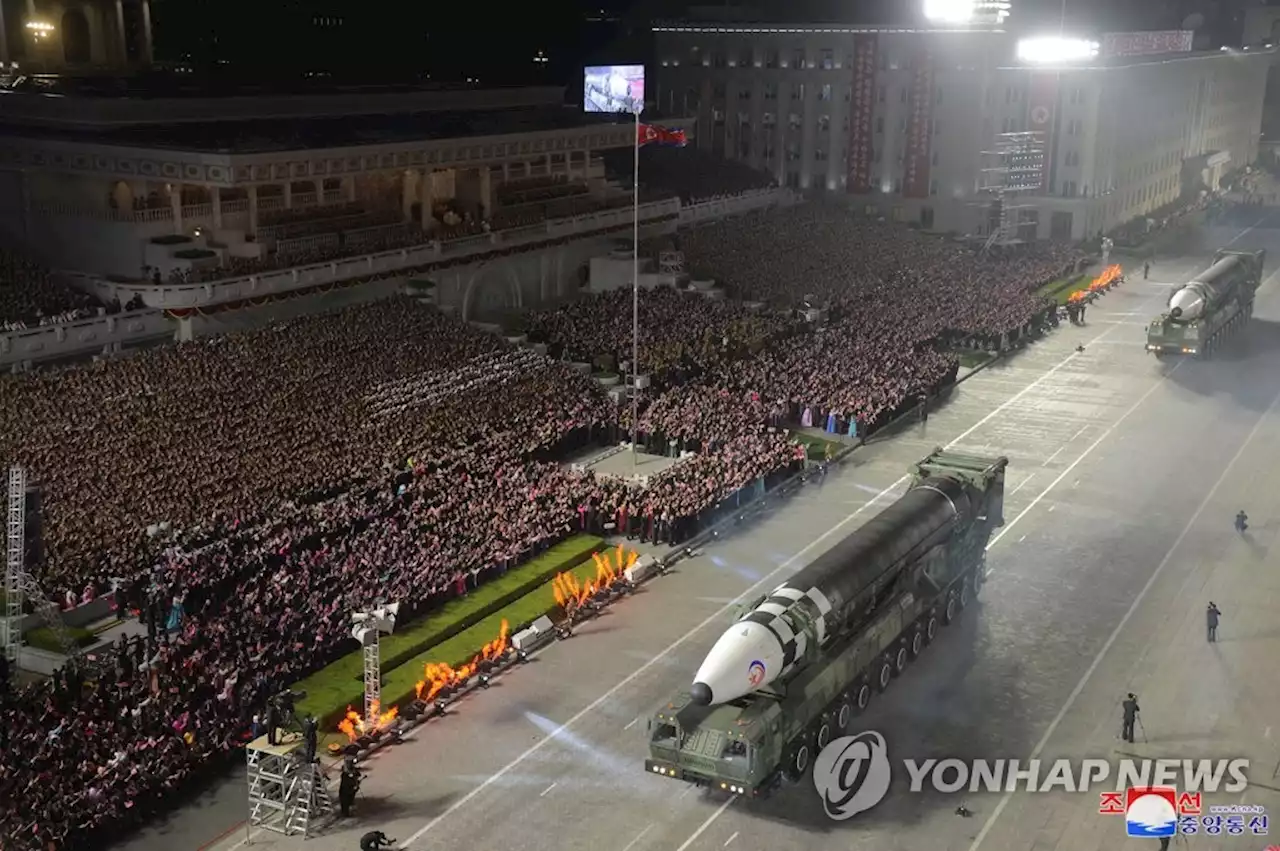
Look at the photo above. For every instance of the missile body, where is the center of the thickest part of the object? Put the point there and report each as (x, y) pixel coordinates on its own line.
(789, 628)
(1190, 302)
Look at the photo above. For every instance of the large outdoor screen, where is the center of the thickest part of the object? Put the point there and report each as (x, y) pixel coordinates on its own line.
(613, 88)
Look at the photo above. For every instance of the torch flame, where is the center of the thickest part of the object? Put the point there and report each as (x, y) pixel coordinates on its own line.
(569, 592)
(437, 675)
(1104, 279)
(354, 726)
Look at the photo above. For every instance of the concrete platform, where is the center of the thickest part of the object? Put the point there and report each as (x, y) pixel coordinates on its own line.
(619, 462)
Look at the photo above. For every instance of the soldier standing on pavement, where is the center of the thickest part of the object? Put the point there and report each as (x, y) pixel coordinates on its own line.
(1211, 616)
(1146, 270)
(1131, 710)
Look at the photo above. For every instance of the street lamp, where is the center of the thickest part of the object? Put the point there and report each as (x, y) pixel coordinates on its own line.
(368, 630)
(40, 30)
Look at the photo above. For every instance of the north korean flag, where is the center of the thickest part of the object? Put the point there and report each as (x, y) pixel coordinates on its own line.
(651, 134)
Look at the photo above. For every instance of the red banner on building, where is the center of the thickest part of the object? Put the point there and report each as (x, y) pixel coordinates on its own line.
(915, 180)
(1042, 111)
(865, 58)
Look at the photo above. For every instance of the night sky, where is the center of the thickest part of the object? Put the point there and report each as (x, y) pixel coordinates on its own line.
(346, 40)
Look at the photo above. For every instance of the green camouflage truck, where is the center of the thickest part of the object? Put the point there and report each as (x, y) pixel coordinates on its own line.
(1205, 312)
(799, 663)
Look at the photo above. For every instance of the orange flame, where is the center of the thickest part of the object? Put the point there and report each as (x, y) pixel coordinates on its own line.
(570, 593)
(354, 726)
(437, 675)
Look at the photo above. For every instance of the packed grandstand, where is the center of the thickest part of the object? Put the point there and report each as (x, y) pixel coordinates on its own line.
(275, 481)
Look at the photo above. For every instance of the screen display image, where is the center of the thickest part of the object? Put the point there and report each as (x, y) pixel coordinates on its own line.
(613, 88)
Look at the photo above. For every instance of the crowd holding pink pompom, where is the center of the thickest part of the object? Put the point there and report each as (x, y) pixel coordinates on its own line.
(248, 492)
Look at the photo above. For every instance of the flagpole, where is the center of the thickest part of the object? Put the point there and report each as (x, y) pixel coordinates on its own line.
(635, 292)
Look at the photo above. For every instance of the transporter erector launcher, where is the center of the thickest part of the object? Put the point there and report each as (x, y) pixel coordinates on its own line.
(792, 671)
(1205, 312)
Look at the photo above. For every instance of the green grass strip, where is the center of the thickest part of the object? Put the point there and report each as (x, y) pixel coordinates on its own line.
(340, 683)
(400, 687)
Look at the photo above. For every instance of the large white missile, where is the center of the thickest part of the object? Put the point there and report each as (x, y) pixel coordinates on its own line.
(787, 629)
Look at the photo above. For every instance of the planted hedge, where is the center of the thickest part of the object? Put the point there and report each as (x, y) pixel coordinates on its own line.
(43, 638)
(332, 688)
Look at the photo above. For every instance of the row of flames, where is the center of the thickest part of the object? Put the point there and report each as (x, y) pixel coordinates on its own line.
(1106, 278)
(355, 726)
(437, 676)
(571, 593)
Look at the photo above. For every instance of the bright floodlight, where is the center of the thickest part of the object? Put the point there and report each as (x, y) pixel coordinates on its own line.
(1056, 50)
(949, 11)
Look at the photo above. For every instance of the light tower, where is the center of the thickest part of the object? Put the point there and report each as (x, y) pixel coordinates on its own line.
(368, 630)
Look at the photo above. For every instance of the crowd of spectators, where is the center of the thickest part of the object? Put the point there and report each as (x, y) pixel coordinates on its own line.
(31, 297)
(248, 492)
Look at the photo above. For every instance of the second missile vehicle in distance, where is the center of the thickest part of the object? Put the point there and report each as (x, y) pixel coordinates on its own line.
(803, 660)
(1205, 312)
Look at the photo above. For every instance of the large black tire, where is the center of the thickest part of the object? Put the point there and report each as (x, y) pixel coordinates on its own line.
(950, 609)
(966, 592)
(822, 737)
(884, 675)
(916, 643)
(799, 761)
(843, 715)
(861, 696)
(901, 656)
(930, 628)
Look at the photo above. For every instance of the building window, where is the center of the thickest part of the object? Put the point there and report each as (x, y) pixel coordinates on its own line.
(797, 91)
(880, 124)
(875, 154)
(933, 186)
(902, 95)
(770, 91)
(797, 58)
(744, 93)
(793, 152)
(824, 93)
(746, 59)
(771, 58)
(824, 123)
(880, 94)
(717, 90)
(937, 95)
(1072, 159)
(828, 60)
(768, 119)
(718, 60)
(820, 155)
(794, 120)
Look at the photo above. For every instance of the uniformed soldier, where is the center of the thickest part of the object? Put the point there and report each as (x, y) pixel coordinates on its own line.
(1211, 616)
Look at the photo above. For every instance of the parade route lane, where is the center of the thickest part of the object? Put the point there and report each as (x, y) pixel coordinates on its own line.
(494, 775)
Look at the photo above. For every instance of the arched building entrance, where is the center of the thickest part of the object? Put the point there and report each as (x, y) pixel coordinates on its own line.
(76, 44)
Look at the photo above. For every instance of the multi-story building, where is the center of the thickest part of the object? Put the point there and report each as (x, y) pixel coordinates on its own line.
(908, 120)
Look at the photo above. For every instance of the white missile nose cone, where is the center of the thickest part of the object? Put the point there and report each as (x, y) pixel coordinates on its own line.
(747, 657)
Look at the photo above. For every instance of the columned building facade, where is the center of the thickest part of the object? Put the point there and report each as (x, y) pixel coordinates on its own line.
(53, 35)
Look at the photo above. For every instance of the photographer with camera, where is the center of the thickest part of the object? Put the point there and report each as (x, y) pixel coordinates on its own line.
(348, 786)
(375, 840)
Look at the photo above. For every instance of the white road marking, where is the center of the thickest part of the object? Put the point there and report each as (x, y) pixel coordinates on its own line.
(1133, 607)
(546, 790)
(639, 836)
(1020, 486)
(1267, 733)
(706, 824)
(1049, 460)
(1023, 538)
(716, 616)
(1083, 455)
(730, 839)
(633, 722)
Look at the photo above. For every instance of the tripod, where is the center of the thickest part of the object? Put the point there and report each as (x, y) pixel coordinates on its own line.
(1137, 719)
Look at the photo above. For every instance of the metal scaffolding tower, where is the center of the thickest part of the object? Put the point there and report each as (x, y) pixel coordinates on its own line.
(15, 552)
(1014, 167)
(286, 794)
(372, 680)
(19, 584)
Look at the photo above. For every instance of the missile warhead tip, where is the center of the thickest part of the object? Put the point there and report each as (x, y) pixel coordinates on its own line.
(700, 694)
